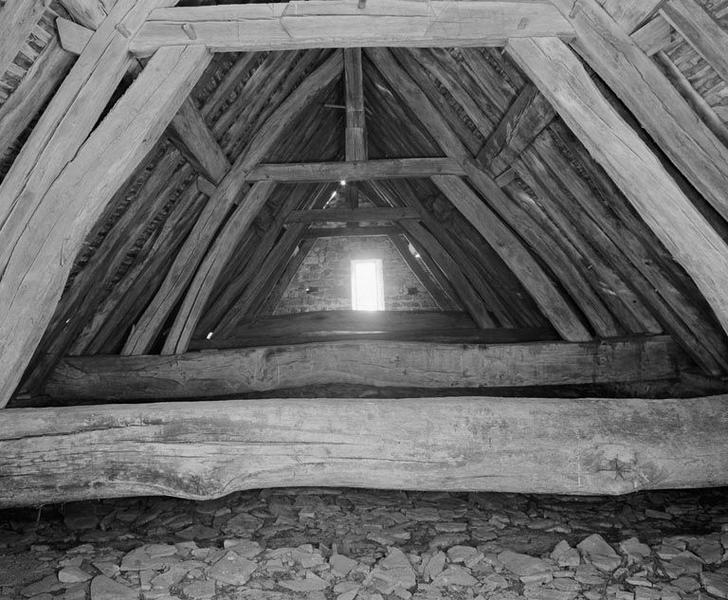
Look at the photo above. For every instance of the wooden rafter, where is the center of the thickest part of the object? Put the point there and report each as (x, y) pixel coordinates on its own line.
(463, 288)
(550, 300)
(250, 257)
(354, 170)
(89, 13)
(355, 135)
(33, 92)
(263, 279)
(211, 267)
(68, 120)
(29, 289)
(631, 164)
(658, 106)
(340, 24)
(529, 114)
(92, 283)
(194, 250)
(289, 272)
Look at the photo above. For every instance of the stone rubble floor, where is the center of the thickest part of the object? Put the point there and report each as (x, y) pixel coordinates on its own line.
(347, 544)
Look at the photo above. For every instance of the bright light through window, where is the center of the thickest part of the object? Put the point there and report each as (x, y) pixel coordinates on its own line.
(367, 284)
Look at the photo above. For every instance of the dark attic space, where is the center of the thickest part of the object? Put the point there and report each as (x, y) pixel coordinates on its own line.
(364, 299)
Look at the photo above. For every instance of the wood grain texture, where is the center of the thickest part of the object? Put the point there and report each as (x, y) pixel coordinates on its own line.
(17, 20)
(549, 299)
(68, 120)
(89, 13)
(340, 24)
(33, 92)
(631, 164)
(195, 248)
(649, 95)
(353, 215)
(356, 170)
(29, 289)
(452, 271)
(630, 14)
(381, 363)
(701, 31)
(196, 142)
(205, 450)
(212, 266)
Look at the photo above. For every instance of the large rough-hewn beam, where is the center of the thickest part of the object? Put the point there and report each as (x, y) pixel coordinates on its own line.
(383, 363)
(204, 450)
(40, 260)
(341, 24)
(631, 164)
(649, 95)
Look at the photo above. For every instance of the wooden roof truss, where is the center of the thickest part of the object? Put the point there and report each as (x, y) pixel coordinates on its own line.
(560, 173)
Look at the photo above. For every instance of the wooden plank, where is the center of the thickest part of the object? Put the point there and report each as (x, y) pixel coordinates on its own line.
(392, 168)
(33, 92)
(549, 299)
(68, 120)
(648, 94)
(529, 114)
(17, 20)
(195, 140)
(631, 164)
(701, 31)
(341, 24)
(212, 266)
(463, 288)
(356, 215)
(204, 450)
(30, 287)
(218, 207)
(381, 363)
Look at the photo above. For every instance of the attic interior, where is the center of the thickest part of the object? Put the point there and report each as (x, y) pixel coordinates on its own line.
(540, 188)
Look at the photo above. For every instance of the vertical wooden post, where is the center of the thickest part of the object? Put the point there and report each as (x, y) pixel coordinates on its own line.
(356, 143)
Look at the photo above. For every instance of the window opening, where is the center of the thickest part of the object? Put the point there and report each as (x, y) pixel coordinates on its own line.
(367, 284)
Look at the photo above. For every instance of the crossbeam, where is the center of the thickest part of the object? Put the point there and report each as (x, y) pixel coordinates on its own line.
(203, 450)
(394, 168)
(349, 215)
(342, 24)
(382, 363)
